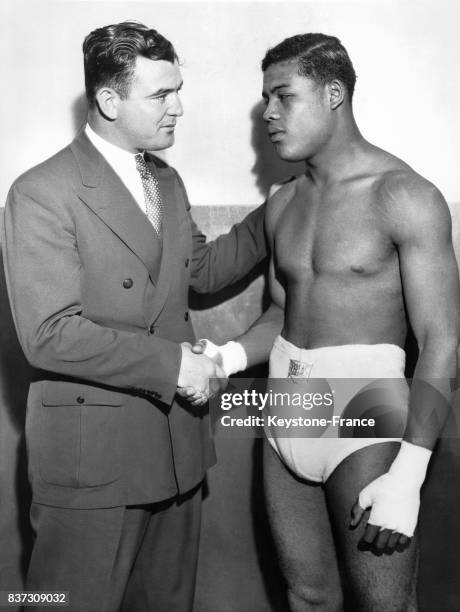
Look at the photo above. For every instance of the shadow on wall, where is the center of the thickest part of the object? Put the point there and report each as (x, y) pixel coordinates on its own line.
(268, 167)
(79, 110)
(15, 374)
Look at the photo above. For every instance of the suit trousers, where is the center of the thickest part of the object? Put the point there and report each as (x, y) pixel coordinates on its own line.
(129, 558)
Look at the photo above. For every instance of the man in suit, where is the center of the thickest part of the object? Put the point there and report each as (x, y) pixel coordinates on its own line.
(100, 250)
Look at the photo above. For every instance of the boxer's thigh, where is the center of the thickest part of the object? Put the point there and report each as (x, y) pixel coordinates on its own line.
(375, 581)
(302, 534)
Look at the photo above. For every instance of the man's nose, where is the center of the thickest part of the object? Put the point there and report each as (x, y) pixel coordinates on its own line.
(176, 109)
(270, 113)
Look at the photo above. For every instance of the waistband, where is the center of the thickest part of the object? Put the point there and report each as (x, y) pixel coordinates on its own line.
(357, 360)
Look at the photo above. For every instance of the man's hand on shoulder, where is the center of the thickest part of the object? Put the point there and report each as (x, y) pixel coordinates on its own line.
(277, 186)
(279, 196)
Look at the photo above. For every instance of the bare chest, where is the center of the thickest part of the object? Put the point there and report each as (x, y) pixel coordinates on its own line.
(343, 238)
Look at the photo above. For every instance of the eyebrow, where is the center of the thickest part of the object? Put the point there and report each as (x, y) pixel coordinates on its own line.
(161, 92)
(273, 89)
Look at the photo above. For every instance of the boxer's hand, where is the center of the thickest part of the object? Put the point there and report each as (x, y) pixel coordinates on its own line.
(394, 511)
(219, 382)
(231, 356)
(200, 346)
(208, 348)
(394, 499)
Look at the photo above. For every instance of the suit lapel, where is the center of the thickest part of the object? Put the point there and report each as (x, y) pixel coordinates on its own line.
(104, 192)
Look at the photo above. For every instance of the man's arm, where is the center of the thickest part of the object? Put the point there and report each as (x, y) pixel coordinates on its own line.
(228, 258)
(430, 281)
(254, 346)
(43, 267)
(250, 349)
(422, 233)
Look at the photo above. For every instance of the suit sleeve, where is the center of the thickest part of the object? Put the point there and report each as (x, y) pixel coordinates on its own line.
(42, 268)
(231, 256)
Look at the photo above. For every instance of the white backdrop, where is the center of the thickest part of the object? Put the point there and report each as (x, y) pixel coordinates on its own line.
(406, 55)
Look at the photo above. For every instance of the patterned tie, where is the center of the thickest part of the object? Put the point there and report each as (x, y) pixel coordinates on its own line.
(153, 203)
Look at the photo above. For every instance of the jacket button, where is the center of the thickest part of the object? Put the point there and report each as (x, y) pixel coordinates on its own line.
(152, 329)
(186, 316)
(80, 400)
(187, 262)
(128, 283)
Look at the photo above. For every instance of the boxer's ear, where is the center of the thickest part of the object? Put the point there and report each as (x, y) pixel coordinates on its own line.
(336, 93)
(107, 100)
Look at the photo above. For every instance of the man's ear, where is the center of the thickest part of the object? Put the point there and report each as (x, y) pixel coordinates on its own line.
(336, 93)
(108, 100)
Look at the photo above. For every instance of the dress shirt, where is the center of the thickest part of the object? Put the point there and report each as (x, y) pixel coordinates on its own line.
(123, 163)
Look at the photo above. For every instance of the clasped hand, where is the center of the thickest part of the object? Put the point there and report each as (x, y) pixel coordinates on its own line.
(200, 377)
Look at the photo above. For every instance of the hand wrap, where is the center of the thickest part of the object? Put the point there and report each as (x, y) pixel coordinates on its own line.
(395, 496)
(232, 355)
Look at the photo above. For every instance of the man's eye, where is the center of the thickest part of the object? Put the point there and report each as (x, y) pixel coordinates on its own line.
(284, 96)
(160, 99)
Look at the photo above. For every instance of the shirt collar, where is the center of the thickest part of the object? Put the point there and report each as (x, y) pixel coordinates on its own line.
(116, 156)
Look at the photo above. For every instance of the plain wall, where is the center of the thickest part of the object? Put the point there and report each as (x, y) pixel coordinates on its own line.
(405, 54)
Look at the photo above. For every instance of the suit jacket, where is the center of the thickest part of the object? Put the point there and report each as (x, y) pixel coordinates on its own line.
(100, 307)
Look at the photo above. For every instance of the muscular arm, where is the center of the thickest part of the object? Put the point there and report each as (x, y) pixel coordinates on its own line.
(258, 340)
(421, 230)
(250, 349)
(431, 290)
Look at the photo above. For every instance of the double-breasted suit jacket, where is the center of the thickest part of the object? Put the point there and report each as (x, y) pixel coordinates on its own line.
(100, 307)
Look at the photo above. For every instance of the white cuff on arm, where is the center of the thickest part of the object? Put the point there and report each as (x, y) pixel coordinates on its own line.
(233, 356)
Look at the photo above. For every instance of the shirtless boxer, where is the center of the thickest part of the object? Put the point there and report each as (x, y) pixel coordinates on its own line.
(361, 245)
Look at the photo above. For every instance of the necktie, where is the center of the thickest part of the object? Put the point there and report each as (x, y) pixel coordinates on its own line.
(153, 203)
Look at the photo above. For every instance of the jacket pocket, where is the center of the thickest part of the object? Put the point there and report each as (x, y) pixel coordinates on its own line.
(80, 435)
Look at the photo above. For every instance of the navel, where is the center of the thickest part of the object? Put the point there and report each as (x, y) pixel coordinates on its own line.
(357, 269)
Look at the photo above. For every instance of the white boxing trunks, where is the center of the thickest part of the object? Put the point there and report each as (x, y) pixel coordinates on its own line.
(364, 379)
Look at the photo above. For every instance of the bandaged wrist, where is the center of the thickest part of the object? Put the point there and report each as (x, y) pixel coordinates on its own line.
(234, 358)
(411, 463)
(233, 355)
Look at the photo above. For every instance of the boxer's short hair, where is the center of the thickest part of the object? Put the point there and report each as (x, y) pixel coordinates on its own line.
(319, 57)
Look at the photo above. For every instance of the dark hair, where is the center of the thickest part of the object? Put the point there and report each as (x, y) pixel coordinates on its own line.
(319, 57)
(110, 53)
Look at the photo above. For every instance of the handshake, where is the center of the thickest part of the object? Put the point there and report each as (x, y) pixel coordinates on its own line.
(205, 368)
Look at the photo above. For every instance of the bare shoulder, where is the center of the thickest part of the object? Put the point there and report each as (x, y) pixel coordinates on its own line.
(412, 205)
(279, 196)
